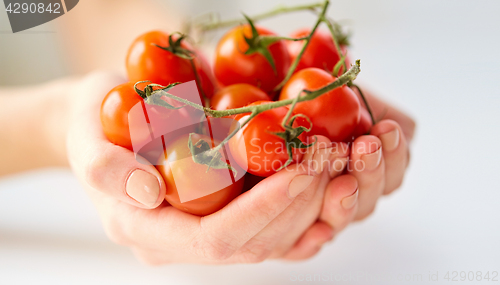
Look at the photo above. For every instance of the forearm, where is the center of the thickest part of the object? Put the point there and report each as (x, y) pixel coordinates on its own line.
(33, 123)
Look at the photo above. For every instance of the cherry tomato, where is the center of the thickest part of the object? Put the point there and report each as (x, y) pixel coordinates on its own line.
(145, 61)
(320, 53)
(364, 125)
(236, 96)
(233, 66)
(186, 179)
(230, 97)
(256, 147)
(334, 114)
(118, 122)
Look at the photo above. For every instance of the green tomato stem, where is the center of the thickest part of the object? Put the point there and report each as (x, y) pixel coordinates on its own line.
(335, 41)
(366, 103)
(198, 82)
(345, 78)
(306, 43)
(276, 11)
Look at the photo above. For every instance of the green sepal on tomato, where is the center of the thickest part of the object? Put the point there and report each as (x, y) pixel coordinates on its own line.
(148, 59)
(206, 190)
(233, 65)
(257, 148)
(120, 121)
(320, 53)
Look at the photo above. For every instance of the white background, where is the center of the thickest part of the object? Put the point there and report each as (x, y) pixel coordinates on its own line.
(439, 60)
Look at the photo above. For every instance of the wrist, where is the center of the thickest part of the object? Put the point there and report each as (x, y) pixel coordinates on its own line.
(33, 123)
(56, 119)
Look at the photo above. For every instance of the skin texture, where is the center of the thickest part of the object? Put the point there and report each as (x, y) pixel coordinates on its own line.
(320, 53)
(335, 114)
(63, 116)
(233, 66)
(262, 223)
(185, 173)
(145, 61)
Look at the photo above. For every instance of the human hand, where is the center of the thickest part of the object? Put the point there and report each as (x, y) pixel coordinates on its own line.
(353, 196)
(379, 160)
(266, 222)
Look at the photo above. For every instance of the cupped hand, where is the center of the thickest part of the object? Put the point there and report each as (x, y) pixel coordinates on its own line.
(379, 160)
(276, 219)
(288, 215)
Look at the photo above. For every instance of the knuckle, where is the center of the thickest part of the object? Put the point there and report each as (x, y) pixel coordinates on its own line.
(365, 214)
(94, 170)
(97, 166)
(412, 125)
(115, 232)
(306, 196)
(266, 212)
(397, 185)
(256, 253)
(148, 260)
(394, 186)
(211, 246)
(151, 262)
(216, 249)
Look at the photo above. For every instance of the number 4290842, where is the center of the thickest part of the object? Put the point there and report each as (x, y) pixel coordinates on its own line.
(17, 8)
(471, 276)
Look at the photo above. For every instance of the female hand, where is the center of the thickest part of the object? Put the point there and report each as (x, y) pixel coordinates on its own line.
(379, 160)
(377, 164)
(273, 220)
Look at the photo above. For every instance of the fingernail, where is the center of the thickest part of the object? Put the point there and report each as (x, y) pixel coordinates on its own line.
(349, 201)
(390, 140)
(372, 160)
(143, 187)
(320, 158)
(338, 166)
(298, 184)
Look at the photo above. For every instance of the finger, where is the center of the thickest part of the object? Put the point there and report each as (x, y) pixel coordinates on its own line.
(109, 168)
(333, 158)
(367, 166)
(150, 257)
(162, 229)
(311, 242)
(327, 155)
(282, 232)
(381, 108)
(340, 202)
(234, 225)
(213, 238)
(395, 153)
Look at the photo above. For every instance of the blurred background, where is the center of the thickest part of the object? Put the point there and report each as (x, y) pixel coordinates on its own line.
(438, 60)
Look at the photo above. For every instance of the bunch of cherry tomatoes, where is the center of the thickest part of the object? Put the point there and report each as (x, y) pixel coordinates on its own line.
(240, 77)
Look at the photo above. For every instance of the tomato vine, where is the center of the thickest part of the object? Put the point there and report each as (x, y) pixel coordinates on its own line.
(154, 92)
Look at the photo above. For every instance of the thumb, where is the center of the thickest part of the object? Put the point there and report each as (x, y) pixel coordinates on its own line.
(103, 165)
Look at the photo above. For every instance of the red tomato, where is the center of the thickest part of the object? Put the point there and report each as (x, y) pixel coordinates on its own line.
(236, 96)
(255, 147)
(233, 66)
(230, 97)
(118, 122)
(185, 178)
(320, 53)
(364, 125)
(334, 114)
(145, 61)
